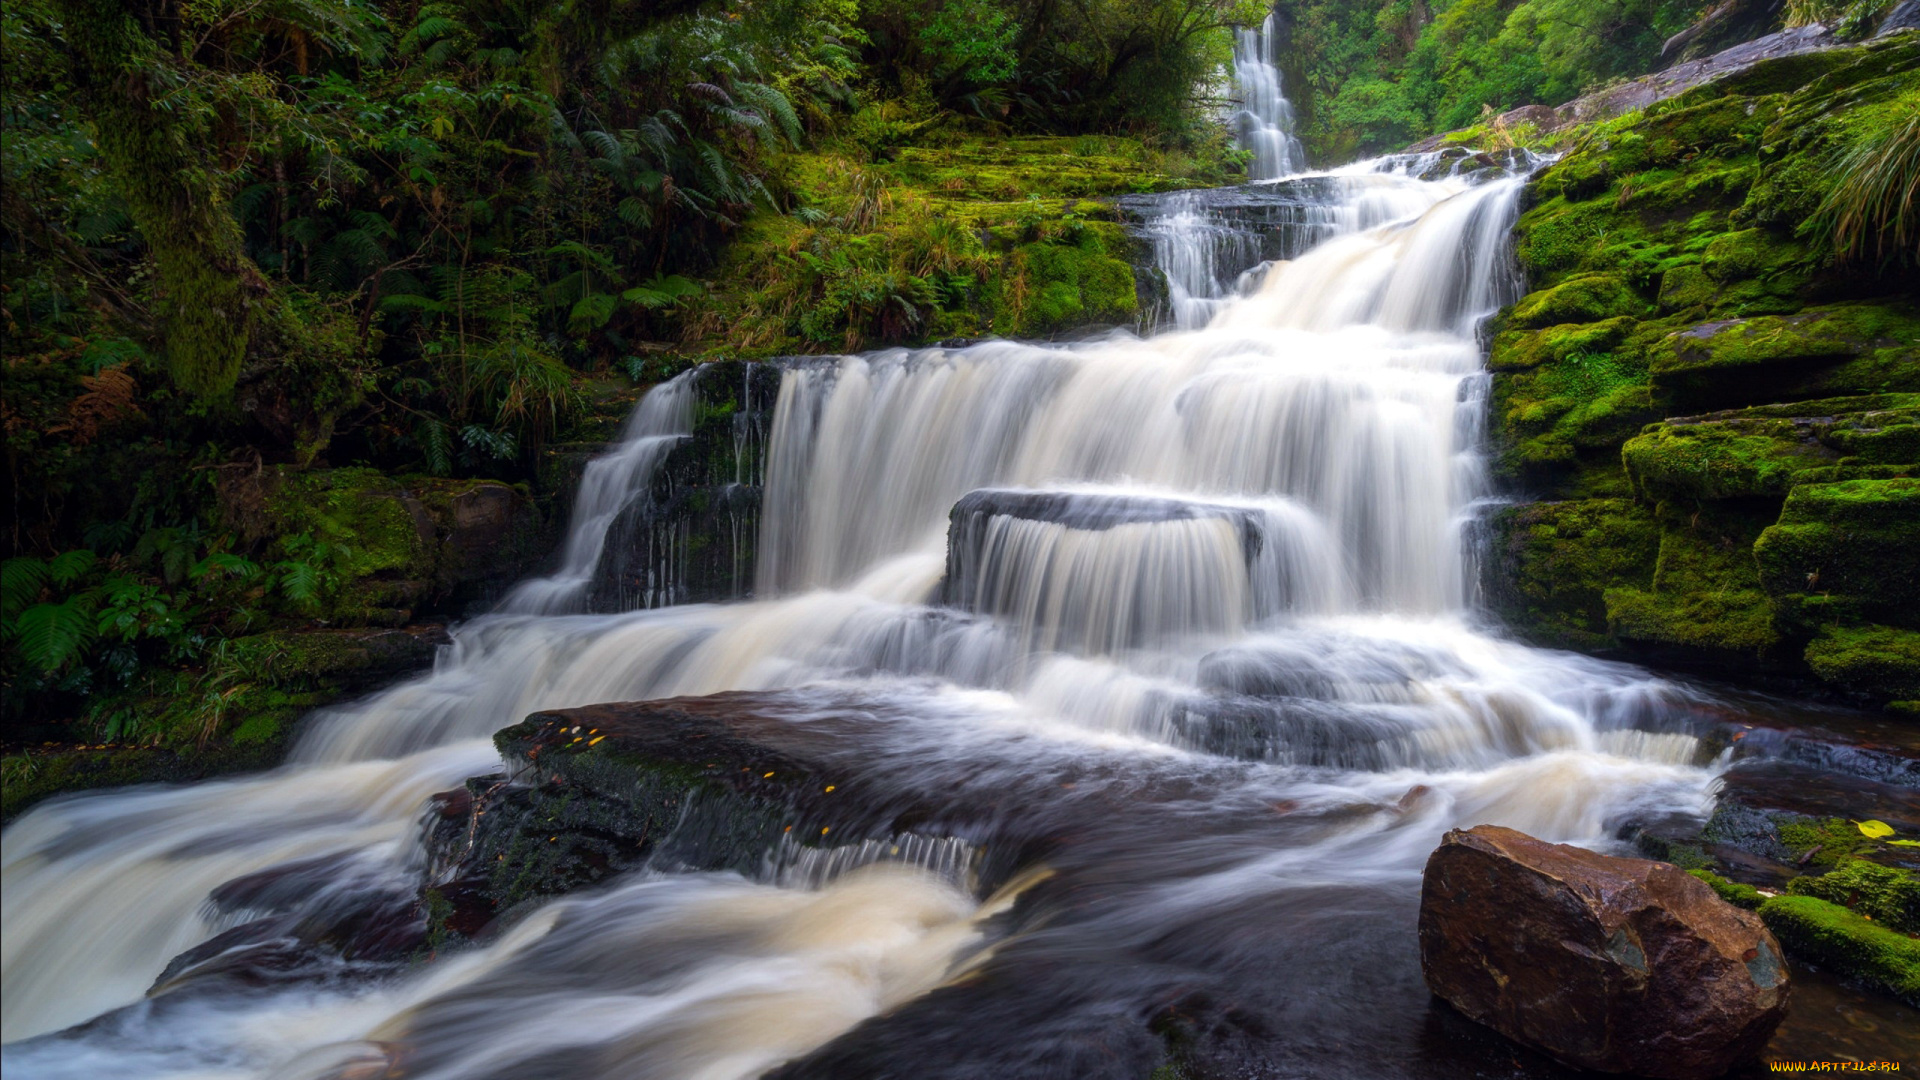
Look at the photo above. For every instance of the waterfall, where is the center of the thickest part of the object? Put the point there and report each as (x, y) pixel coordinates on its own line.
(1264, 122)
(610, 483)
(1219, 569)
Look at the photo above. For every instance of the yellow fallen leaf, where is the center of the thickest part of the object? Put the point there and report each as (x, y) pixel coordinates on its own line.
(596, 739)
(1873, 829)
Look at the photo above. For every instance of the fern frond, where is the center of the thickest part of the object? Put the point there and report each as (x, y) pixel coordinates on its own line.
(67, 567)
(50, 635)
(21, 580)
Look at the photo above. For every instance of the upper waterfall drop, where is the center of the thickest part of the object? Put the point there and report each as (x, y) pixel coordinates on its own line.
(1264, 122)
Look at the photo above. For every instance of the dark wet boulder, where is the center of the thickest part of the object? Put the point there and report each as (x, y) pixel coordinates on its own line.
(732, 781)
(1611, 964)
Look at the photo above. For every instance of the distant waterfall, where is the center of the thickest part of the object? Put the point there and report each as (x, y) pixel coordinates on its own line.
(1264, 123)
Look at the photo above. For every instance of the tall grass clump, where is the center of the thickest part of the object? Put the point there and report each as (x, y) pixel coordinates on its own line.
(1873, 212)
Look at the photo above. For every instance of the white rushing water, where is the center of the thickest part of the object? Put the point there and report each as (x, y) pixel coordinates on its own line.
(609, 484)
(1269, 507)
(1264, 122)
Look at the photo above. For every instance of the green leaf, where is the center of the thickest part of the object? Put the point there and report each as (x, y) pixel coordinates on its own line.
(590, 313)
(300, 581)
(663, 291)
(1873, 830)
(21, 580)
(52, 634)
(69, 565)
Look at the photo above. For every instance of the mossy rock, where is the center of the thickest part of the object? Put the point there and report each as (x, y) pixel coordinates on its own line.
(1858, 348)
(1883, 661)
(1889, 895)
(1873, 91)
(1739, 894)
(1584, 299)
(33, 776)
(1731, 458)
(1846, 944)
(1554, 561)
(1845, 550)
(386, 547)
(1518, 350)
(1705, 595)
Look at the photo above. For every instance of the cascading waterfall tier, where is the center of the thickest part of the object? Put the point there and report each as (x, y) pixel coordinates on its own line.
(1216, 576)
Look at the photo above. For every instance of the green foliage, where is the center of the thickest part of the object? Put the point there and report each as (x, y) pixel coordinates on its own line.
(1132, 65)
(973, 38)
(1368, 77)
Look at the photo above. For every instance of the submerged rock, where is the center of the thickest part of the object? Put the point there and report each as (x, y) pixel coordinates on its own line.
(1617, 965)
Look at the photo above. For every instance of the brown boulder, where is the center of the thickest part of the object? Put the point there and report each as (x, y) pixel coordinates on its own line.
(1616, 965)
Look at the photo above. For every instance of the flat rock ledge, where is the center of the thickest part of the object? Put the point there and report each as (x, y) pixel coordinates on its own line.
(1611, 964)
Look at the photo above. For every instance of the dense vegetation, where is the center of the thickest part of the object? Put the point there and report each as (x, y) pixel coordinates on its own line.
(310, 306)
(1369, 76)
(285, 278)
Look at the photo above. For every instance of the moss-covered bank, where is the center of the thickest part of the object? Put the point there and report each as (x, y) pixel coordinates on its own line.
(1715, 422)
(906, 234)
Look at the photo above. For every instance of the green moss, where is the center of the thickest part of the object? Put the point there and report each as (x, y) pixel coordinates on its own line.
(1880, 660)
(1736, 893)
(1705, 592)
(1686, 286)
(1554, 563)
(1846, 548)
(1736, 458)
(960, 236)
(1822, 334)
(1054, 286)
(1846, 944)
(1821, 841)
(1838, 110)
(1752, 253)
(1588, 298)
(1888, 895)
(1518, 350)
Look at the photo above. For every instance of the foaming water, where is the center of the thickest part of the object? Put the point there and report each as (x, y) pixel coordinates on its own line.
(1196, 601)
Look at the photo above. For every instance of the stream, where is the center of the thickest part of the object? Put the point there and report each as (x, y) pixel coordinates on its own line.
(1200, 602)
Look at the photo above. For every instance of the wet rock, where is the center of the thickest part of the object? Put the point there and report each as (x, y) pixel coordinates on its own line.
(1904, 16)
(725, 782)
(691, 538)
(1617, 965)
